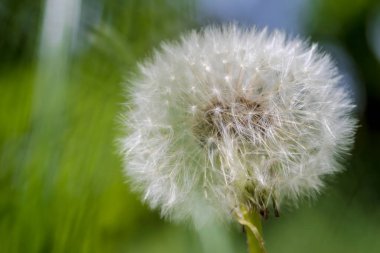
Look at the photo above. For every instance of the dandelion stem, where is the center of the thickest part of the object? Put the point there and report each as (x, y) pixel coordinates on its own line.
(251, 221)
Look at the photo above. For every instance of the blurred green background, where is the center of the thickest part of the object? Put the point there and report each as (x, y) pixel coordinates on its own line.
(63, 69)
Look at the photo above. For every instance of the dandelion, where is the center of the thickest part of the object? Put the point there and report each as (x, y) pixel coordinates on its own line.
(230, 120)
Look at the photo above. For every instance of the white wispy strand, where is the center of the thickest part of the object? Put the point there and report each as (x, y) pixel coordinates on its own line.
(231, 116)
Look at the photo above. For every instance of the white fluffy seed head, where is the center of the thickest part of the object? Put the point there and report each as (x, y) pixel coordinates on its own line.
(232, 116)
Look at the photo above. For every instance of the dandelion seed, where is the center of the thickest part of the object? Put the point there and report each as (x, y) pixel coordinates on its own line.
(236, 117)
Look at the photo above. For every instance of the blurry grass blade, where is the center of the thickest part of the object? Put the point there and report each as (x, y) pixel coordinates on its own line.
(60, 23)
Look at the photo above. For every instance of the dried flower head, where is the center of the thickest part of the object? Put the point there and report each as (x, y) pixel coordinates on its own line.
(232, 116)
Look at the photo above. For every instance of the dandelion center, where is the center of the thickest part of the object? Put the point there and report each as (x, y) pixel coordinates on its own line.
(241, 118)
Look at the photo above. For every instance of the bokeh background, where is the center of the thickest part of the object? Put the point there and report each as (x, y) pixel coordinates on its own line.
(63, 71)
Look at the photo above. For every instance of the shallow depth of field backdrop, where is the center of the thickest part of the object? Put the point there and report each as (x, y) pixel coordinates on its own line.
(62, 68)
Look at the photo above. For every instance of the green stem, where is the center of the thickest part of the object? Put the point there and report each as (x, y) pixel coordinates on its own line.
(251, 221)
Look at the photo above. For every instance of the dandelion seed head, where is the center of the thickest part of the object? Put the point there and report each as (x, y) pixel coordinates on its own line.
(229, 116)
